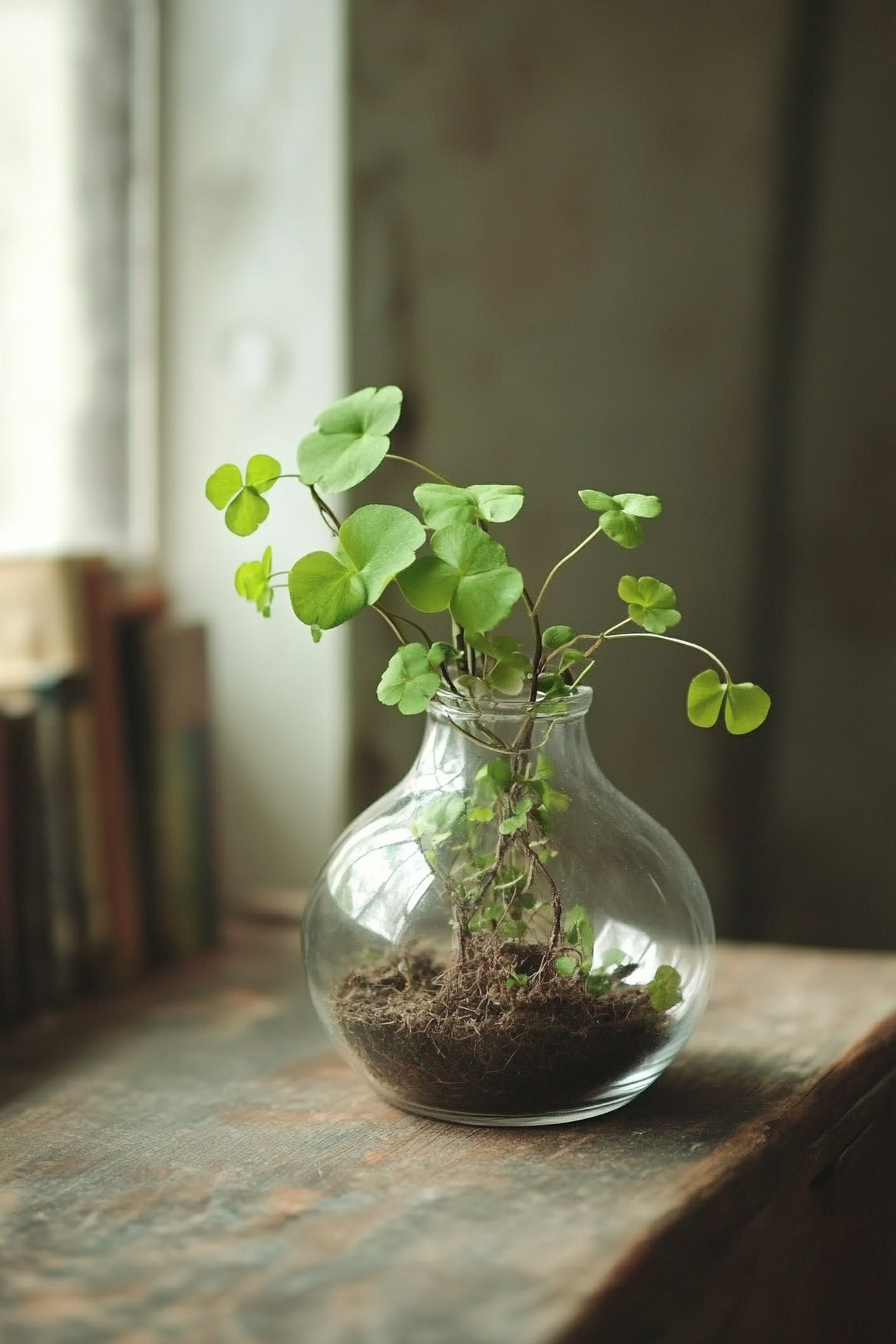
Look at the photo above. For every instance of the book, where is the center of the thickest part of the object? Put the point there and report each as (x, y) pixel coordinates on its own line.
(57, 624)
(28, 868)
(11, 992)
(62, 874)
(184, 908)
(97, 597)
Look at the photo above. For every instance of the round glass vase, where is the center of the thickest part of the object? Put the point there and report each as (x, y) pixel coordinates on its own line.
(504, 938)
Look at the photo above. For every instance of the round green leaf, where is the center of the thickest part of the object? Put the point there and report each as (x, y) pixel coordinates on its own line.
(620, 514)
(262, 472)
(409, 680)
(442, 653)
(746, 707)
(485, 600)
(223, 484)
(323, 592)
(566, 966)
(650, 603)
(640, 506)
(252, 581)
(371, 411)
(468, 572)
(378, 541)
(705, 696)
(487, 588)
(597, 500)
(351, 440)
(246, 512)
(665, 989)
(557, 635)
(622, 528)
(498, 503)
(428, 584)
(445, 505)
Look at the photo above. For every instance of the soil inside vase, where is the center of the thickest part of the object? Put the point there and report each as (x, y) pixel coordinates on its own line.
(453, 1036)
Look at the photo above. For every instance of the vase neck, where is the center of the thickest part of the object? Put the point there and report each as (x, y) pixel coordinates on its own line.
(510, 730)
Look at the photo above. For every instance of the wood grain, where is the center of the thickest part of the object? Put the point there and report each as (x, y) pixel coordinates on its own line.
(191, 1162)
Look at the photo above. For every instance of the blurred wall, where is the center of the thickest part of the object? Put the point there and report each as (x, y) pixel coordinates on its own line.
(829, 833)
(252, 343)
(564, 220)
(560, 230)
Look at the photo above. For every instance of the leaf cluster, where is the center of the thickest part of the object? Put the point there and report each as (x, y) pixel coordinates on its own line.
(446, 561)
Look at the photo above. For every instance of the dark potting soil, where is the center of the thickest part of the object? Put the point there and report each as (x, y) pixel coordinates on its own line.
(455, 1037)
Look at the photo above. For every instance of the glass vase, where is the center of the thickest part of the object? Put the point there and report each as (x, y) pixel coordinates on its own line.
(504, 938)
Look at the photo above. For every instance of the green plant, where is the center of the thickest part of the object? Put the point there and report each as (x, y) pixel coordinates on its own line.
(491, 850)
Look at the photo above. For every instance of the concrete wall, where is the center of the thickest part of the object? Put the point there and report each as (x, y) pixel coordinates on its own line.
(253, 333)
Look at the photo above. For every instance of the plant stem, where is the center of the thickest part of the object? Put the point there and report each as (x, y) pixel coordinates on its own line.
(393, 615)
(539, 647)
(411, 462)
(581, 546)
(670, 639)
(325, 511)
(583, 673)
(391, 624)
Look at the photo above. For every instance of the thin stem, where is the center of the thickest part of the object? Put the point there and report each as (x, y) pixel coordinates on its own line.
(393, 615)
(560, 563)
(411, 462)
(581, 675)
(325, 511)
(539, 647)
(598, 640)
(391, 624)
(670, 639)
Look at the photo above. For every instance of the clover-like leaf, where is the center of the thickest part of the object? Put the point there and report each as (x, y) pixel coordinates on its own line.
(351, 439)
(375, 543)
(445, 505)
(468, 573)
(665, 989)
(245, 508)
(553, 684)
(409, 680)
(746, 705)
(620, 514)
(443, 653)
(223, 484)
(566, 966)
(511, 667)
(650, 603)
(253, 581)
(262, 472)
(706, 695)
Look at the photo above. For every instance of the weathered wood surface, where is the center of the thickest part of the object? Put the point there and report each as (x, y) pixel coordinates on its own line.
(191, 1163)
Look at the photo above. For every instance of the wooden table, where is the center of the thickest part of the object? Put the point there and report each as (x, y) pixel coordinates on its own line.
(191, 1163)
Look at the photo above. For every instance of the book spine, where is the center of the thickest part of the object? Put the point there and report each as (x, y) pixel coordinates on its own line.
(119, 867)
(11, 990)
(33, 947)
(64, 897)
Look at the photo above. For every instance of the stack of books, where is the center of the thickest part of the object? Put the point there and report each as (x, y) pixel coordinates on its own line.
(107, 855)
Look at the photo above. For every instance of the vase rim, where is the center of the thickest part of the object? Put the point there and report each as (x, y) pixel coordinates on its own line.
(447, 707)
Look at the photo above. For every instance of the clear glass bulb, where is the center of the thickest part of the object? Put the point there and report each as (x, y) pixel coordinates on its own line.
(504, 938)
